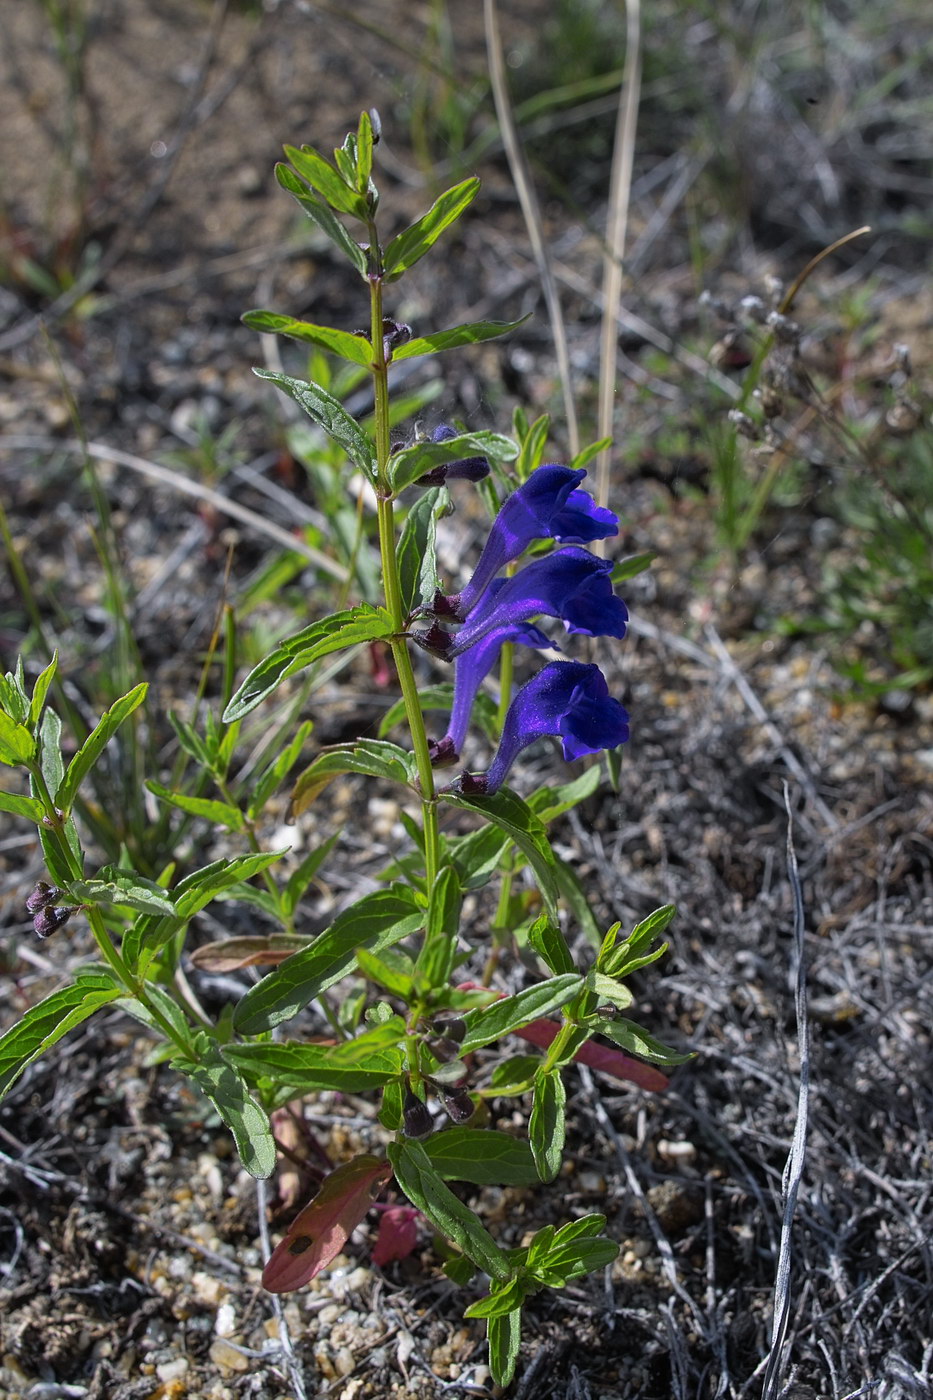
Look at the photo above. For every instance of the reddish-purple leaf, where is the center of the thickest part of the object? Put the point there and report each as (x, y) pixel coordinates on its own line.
(319, 1232)
(398, 1234)
(599, 1057)
(230, 954)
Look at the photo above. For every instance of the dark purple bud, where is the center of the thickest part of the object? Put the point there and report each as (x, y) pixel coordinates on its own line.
(569, 699)
(453, 1027)
(570, 584)
(442, 752)
(434, 640)
(546, 506)
(468, 469)
(41, 896)
(48, 920)
(416, 1117)
(394, 334)
(459, 1106)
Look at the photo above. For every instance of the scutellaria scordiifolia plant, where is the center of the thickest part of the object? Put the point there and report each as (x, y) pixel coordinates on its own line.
(397, 1014)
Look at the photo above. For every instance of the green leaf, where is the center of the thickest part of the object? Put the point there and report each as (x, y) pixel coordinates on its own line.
(417, 565)
(586, 454)
(397, 980)
(549, 803)
(423, 1186)
(436, 958)
(375, 922)
(13, 698)
(482, 1156)
(47, 1021)
(113, 886)
(534, 441)
(608, 989)
(570, 1261)
(305, 1067)
(573, 891)
(547, 1125)
(355, 348)
(332, 417)
(282, 764)
(586, 1227)
(550, 944)
(472, 333)
(621, 958)
(489, 1023)
(411, 463)
(477, 856)
(376, 758)
(432, 697)
(506, 810)
(226, 1088)
(502, 1300)
(18, 806)
(364, 152)
(334, 633)
(413, 242)
(505, 1339)
(191, 894)
(322, 176)
(165, 1003)
(212, 810)
(632, 565)
(301, 878)
(95, 743)
(40, 690)
(638, 1041)
(50, 751)
(323, 216)
(16, 743)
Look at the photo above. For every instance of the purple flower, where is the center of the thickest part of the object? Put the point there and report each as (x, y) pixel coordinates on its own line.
(570, 584)
(569, 699)
(469, 469)
(546, 506)
(471, 670)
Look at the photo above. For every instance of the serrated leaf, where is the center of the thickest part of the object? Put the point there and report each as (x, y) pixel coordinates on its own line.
(411, 463)
(16, 743)
(305, 1067)
(483, 1156)
(413, 242)
(331, 415)
(344, 629)
(373, 757)
(50, 1019)
(226, 1088)
(471, 333)
(376, 921)
(547, 1126)
(95, 743)
(322, 176)
(506, 810)
(319, 1232)
(489, 1023)
(321, 214)
(355, 348)
(18, 806)
(423, 1186)
(211, 809)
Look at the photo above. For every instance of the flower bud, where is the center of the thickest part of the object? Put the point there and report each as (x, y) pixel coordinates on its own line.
(41, 896)
(416, 1117)
(458, 1105)
(48, 920)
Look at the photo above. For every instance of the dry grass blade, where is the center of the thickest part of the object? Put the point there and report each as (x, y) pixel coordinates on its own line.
(793, 1171)
(176, 482)
(620, 190)
(532, 215)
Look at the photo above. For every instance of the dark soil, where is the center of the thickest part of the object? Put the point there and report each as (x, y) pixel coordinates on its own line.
(130, 1251)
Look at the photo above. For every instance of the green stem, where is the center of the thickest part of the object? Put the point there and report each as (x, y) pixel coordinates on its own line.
(393, 591)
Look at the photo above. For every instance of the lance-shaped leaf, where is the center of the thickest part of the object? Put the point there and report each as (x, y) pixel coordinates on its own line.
(47, 1021)
(423, 1186)
(547, 1124)
(18, 806)
(489, 1023)
(413, 242)
(41, 689)
(16, 743)
(334, 633)
(211, 809)
(305, 1067)
(322, 176)
(417, 461)
(95, 743)
(505, 1339)
(417, 565)
(599, 1057)
(226, 1088)
(251, 950)
(436, 956)
(376, 758)
(483, 1156)
(355, 348)
(319, 1232)
(506, 810)
(322, 215)
(632, 1037)
(376, 921)
(471, 333)
(332, 417)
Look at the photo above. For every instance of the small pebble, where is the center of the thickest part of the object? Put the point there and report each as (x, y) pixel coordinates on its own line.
(227, 1357)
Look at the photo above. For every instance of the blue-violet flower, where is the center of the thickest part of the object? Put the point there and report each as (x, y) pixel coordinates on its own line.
(569, 699)
(546, 506)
